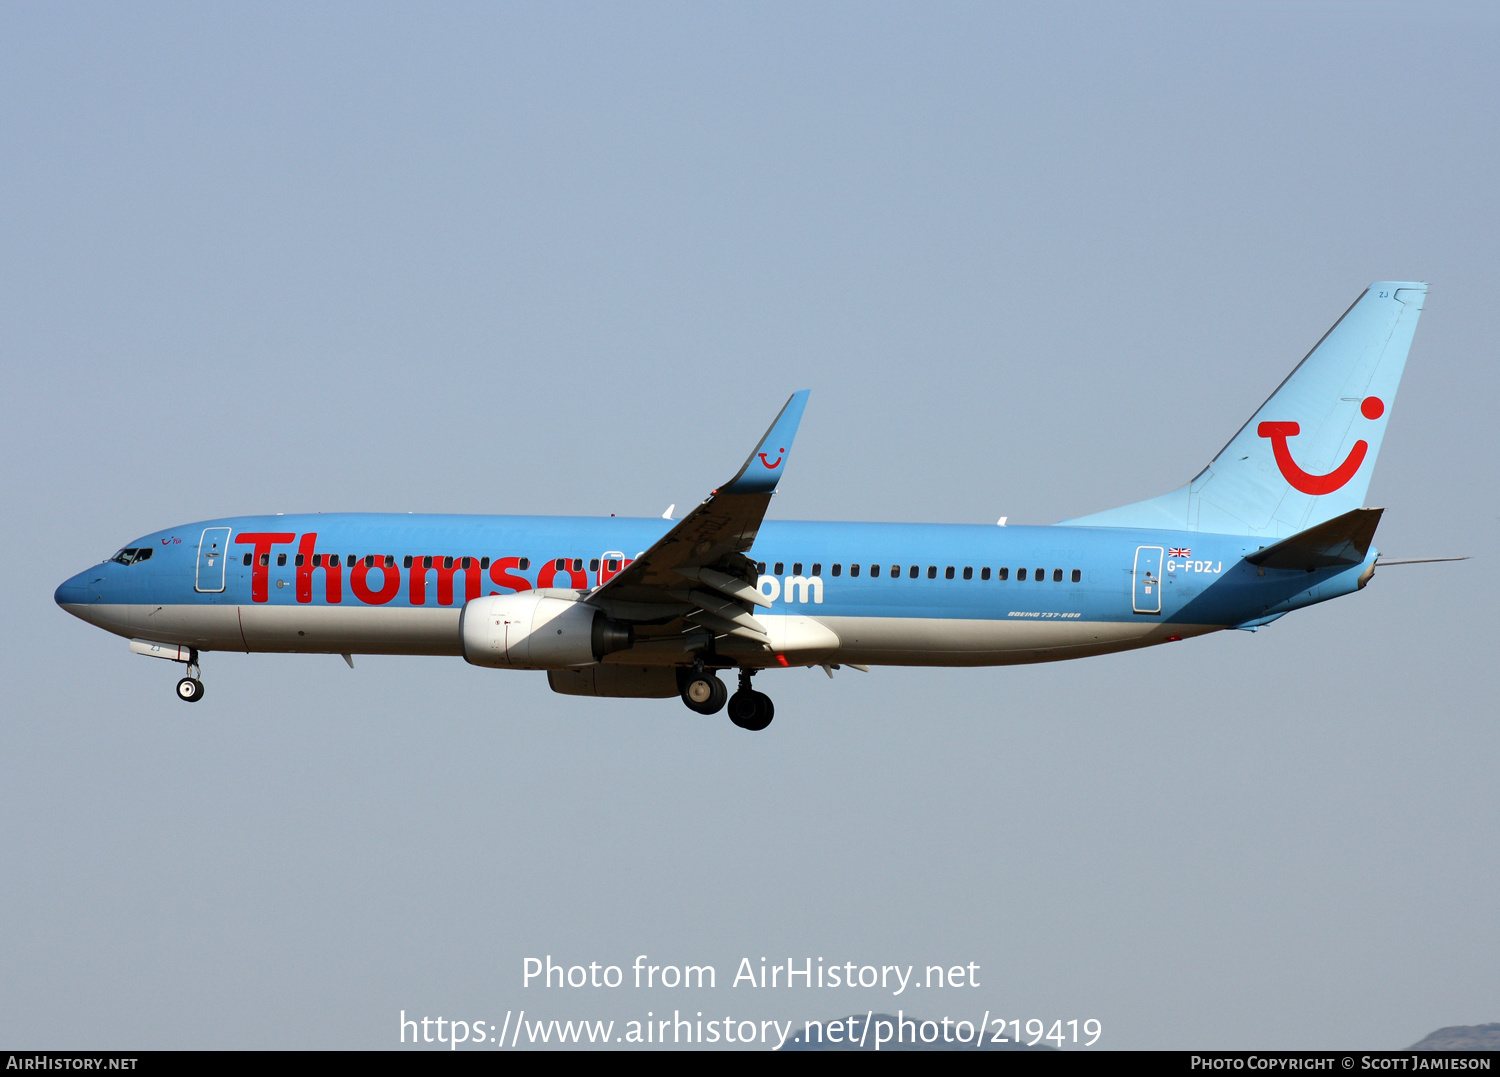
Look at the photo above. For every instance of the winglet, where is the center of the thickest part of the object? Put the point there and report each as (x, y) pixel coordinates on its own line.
(764, 467)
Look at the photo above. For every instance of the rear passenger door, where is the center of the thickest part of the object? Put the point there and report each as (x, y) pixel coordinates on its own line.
(1146, 591)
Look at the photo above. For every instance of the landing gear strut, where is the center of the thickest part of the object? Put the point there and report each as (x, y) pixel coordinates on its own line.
(750, 709)
(190, 688)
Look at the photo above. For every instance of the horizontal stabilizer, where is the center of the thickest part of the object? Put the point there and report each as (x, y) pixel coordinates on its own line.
(1343, 540)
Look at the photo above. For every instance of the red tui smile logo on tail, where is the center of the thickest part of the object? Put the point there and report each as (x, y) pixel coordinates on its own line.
(1372, 407)
(772, 465)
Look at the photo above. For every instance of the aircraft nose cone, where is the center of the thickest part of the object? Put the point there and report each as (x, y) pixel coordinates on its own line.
(72, 592)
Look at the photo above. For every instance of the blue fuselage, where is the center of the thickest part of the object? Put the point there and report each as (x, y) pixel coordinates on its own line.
(379, 583)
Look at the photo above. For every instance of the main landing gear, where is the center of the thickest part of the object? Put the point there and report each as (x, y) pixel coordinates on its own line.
(748, 708)
(703, 692)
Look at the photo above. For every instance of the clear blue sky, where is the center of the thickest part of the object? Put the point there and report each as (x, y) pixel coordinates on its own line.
(1032, 261)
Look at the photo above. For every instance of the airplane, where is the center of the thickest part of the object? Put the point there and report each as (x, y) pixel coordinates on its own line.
(655, 608)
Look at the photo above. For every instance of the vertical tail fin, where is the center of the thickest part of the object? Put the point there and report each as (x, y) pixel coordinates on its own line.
(1307, 455)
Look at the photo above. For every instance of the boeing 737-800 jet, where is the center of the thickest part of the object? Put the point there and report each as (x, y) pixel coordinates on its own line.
(651, 607)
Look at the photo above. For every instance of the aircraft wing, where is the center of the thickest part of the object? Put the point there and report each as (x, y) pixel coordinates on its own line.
(698, 570)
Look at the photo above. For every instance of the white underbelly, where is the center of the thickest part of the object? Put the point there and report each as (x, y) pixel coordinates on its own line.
(906, 641)
(314, 629)
(934, 641)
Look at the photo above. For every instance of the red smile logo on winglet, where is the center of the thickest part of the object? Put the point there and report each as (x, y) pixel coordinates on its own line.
(772, 465)
(1372, 407)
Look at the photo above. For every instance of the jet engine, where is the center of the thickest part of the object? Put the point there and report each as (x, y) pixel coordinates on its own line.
(632, 682)
(537, 630)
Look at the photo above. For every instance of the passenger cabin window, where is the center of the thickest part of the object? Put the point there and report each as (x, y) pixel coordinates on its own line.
(298, 561)
(577, 564)
(1020, 573)
(1003, 574)
(593, 564)
(427, 562)
(914, 571)
(1041, 574)
(614, 565)
(780, 566)
(837, 568)
(796, 568)
(484, 562)
(247, 560)
(984, 573)
(560, 564)
(468, 562)
(280, 559)
(968, 572)
(1057, 575)
(853, 570)
(874, 571)
(1077, 575)
(349, 561)
(369, 560)
(932, 572)
(448, 563)
(265, 559)
(406, 561)
(390, 560)
(948, 573)
(525, 564)
(817, 568)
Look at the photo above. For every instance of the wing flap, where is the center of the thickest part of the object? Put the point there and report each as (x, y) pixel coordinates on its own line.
(732, 586)
(725, 627)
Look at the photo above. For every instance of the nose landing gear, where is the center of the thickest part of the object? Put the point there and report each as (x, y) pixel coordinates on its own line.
(190, 688)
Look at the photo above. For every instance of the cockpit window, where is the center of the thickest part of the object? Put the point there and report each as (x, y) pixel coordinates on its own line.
(133, 556)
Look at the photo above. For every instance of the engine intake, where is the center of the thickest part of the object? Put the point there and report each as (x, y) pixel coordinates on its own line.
(535, 630)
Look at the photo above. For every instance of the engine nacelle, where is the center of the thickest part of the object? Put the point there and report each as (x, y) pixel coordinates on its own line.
(628, 682)
(538, 630)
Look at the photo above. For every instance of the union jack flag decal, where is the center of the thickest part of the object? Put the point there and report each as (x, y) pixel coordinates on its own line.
(1180, 551)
